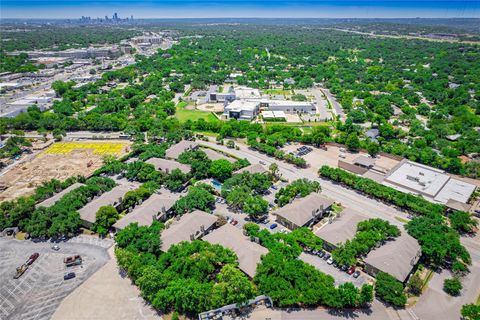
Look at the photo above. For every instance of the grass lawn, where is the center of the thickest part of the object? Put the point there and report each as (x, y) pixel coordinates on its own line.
(278, 91)
(183, 114)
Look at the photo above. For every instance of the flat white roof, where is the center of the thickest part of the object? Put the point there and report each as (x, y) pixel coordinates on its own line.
(246, 93)
(242, 105)
(455, 190)
(418, 178)
(434, 184)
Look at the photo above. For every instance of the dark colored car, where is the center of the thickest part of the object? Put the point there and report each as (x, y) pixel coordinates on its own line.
(351, 270)
(273, 226)
(344, 268)
(321, 253)
(356, 274)
(327, 256)
(32, 258)
(335, 264)
(69, 276)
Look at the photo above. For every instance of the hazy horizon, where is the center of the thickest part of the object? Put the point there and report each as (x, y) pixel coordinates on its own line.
(177, 9)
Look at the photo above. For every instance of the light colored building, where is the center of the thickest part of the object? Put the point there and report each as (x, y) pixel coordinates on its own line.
(249, 253)
(51, 201)
(241, 110)
(177, 149)
(253, 168)
(340, 229)
(156, 207)
(289, 106)
(113, 198)
(304, 211)
(433, 184)
(168, 166)
(215, 155)
(397, 257)
(188, 227)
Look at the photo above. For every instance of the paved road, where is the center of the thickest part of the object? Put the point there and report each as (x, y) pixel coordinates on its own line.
(347, 197)
(337, 107)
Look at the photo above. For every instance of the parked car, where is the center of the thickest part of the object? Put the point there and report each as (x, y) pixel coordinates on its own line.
(356, 274)
(327, 256)
(234, 222)
(321, 253)
(273, 226)
(262, 162)
(335, 264)
(351, 270)
(330, 261)
(274, 187)
(69, 276)
(344, 268)
(32, 258)
(56, 248)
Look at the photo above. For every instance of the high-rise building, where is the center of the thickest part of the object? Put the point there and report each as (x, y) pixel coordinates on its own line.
(115, 16)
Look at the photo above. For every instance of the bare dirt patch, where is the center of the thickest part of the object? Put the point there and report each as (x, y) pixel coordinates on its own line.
(22, 179)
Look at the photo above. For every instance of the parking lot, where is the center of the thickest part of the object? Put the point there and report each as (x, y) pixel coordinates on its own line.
(39, 291)
(339, 276)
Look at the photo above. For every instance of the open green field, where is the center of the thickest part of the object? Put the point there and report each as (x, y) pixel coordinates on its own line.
(183, 114)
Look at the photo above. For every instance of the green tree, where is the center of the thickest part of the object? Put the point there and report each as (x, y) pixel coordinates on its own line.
(470, 311)
(452, 286)
(255, 206)
(221, 169)
(106, 216)
(352, 142)
(390, 290)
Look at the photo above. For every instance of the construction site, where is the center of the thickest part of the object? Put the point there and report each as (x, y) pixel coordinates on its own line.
(59, 161)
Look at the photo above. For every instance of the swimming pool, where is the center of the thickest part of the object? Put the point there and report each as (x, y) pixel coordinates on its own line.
(217, 184)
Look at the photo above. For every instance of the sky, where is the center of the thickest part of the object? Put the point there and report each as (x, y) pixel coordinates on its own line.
(61, 9)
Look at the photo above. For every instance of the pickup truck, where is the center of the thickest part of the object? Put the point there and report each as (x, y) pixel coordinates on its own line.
(72, 260)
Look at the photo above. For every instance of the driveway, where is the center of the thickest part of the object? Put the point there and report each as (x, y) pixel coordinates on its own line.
(436, 304)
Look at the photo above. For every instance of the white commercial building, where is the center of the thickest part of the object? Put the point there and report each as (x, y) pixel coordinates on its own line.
(433, 184)
(241, 110)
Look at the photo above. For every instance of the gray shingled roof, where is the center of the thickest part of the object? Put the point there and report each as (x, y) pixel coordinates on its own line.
(177, 149)
(302, 210)
(248, 252)
(396, 257)
(51, 201)
(188, 224)
(253, 168)
(168, 165)
(342, 228)
(111, 198)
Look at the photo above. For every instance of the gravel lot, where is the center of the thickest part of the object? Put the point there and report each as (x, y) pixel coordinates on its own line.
(39, 291)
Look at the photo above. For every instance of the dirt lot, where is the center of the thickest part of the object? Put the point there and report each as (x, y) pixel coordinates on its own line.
(60, 161)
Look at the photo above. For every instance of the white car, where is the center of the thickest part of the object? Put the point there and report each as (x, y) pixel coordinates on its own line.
(56, 248)
(330, 261)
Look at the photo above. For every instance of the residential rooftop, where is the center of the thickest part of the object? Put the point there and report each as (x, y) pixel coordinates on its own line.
(177, 149)
(51, 201)
(396, 257)
(301, 211)
(341, 228)
(154, 208)
(253, 168)
(188, 227)
(249, 253)
(168, 165)
(110, 198)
